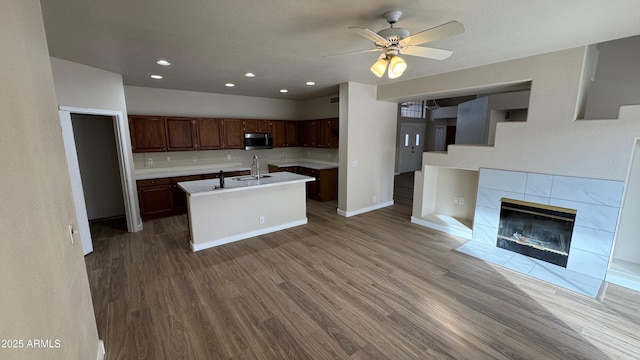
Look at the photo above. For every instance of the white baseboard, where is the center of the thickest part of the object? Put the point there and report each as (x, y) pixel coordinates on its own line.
(246, 235)
(364, 210)
(101, 351)
(623, 279)
(465, 234)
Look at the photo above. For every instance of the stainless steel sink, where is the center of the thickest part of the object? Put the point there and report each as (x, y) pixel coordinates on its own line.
(246, 178)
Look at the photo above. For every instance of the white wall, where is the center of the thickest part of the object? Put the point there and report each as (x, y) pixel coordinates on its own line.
(150, 101)
(616, 79)
(98, 161)
(43, 277)
(368, 127)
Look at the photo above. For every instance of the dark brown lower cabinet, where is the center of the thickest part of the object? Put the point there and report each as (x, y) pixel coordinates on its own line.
(325, 188)
(162, 197)
(155, 197)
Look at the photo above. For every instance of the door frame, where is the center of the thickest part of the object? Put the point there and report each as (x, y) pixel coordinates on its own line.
(125, 162)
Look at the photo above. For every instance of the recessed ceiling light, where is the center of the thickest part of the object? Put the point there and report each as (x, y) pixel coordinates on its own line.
(229, 85)
(284, 91)
(250, 75)
(157, 77)
(163, 62)
(310, 83)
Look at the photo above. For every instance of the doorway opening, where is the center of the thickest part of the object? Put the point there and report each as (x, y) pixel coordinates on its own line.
(100, 168)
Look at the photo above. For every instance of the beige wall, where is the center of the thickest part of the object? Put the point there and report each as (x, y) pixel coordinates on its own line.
(550, 141)
(320, 108)
(368, 127)
(141, 100)
(84, 86)
(456, 183)
(43, 279)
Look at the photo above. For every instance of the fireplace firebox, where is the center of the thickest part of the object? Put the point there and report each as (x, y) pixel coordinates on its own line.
(536, 230)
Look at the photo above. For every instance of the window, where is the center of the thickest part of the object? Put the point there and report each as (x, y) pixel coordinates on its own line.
(413, 109)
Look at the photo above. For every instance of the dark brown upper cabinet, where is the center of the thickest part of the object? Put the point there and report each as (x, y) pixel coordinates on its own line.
(208, 134)
(233, 133)
(181, 134)
(257, 126)
(147, 133)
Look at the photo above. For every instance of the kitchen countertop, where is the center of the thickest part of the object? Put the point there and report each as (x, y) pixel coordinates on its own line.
(152, 173)
(212, 186)
(311, 164)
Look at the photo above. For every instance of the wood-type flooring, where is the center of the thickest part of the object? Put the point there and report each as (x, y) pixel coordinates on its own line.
(373, 286)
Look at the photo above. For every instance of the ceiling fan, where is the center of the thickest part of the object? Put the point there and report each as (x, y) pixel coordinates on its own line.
(395, 41)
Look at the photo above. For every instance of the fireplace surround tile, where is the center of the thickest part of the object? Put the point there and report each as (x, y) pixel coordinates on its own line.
(588, 263)
(491, 197)
(503, 180)
(591, 215)
(486, 216)
(592, 240)
(589, 191)
(539, 185)
(485, 234)
(567, 279)
(537, 199)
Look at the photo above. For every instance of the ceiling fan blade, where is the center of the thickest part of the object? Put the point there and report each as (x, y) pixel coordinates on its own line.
(377, 39)
(426, 52)
(436, 33)
(354, 52)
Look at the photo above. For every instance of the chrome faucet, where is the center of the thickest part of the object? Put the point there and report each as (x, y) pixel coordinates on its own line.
(255, 167)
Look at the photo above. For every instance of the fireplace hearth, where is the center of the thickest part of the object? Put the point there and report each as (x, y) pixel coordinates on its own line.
(536, 230)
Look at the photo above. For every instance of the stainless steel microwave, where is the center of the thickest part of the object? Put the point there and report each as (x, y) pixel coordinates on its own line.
(258, 141)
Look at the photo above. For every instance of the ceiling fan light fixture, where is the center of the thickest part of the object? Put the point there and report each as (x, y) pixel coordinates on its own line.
(379, 67)
(397, 66)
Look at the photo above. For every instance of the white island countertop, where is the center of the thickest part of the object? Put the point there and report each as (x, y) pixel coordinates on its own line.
(240, 183)
(311, 164)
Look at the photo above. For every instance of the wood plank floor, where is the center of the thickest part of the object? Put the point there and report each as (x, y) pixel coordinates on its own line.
(373, 286)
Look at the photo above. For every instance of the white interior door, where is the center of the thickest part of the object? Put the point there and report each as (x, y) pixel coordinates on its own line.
(76, 182)
(440, 141)
(411, 147)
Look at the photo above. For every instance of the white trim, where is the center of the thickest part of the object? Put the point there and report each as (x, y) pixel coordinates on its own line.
(364, 210)
(623, 279)
(246, 235)
(101, 352)
(442, 228)
(125, 160)
(82, 220)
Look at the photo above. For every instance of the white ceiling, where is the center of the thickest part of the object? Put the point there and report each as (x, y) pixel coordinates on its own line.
(212, 42)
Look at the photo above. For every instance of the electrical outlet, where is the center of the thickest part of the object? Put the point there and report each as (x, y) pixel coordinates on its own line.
(228, 157)
(456, 200)
(375, 198)
(168, 158)
(150, 161)
(261, 219)
(354, 163)
(194, 158)
(461, 200)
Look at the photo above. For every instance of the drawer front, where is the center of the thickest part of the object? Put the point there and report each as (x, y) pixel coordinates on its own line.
(153, 182)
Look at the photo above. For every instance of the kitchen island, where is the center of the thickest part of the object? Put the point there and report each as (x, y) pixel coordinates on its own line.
(244, 208)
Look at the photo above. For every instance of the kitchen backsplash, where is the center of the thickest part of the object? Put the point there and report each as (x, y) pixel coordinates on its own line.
(172, 159)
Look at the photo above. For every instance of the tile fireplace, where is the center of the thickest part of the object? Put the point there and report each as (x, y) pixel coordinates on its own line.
(586, 211)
